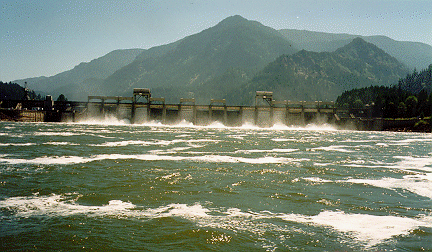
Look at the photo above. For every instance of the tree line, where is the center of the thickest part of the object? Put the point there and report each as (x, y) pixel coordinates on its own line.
(13, 91)
(411, 97)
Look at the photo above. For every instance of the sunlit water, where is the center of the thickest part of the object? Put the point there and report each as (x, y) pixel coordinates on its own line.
(155, 188)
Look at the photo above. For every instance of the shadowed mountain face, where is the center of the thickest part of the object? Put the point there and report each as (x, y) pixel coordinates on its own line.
(322, 76)
(411, 54)
(234, 45)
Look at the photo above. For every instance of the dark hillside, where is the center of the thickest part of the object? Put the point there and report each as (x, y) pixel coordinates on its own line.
(412, 54)
(323, 76)
(234, 43)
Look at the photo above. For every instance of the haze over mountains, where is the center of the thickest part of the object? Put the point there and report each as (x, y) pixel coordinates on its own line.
(236, 57)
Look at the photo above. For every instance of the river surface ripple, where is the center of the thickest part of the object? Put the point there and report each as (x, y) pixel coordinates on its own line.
(156, 188)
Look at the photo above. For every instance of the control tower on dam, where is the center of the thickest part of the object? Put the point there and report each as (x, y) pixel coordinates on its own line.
(266, 112)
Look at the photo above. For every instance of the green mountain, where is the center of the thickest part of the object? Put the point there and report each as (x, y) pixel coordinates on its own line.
(323, 76)
(84, 78)
(412, 54)
(235, 45)
(227, 61)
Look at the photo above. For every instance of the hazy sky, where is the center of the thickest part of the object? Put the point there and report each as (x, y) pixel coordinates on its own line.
(46, 37)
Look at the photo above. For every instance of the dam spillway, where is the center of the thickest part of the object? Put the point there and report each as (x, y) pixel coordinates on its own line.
(142, 108)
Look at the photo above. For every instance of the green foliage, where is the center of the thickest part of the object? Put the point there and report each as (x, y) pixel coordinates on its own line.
(402, 110)
(13, 91)
(62, 98)
(417, 82)
(358, 104)
(394, 101)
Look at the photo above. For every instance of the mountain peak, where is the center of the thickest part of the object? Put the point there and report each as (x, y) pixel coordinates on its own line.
(359, 44)
(359, 48)
(233, 20)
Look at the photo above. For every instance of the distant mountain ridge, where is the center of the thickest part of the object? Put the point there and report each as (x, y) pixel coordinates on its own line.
(412, 54)
(323, 76)
(227, 60)
(81, 79)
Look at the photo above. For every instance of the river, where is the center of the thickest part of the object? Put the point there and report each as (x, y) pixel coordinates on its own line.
(120, 187)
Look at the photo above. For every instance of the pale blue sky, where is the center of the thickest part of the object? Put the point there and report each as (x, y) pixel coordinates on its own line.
(46, 37)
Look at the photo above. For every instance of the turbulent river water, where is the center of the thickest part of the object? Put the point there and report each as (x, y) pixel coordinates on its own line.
(155, 188)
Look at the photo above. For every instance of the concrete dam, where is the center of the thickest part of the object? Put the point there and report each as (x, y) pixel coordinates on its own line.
(266, 112)
(142, 108)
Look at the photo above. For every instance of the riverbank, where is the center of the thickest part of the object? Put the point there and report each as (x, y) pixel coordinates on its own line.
(408, 125)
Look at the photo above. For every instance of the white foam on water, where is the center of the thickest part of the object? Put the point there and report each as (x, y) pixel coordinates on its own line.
(267, 151)
(216, 125)
(60, 143)
(420, 184)
(408, 141)
(65, 205)
(310, 127)
(124, 143)
(107, 120)
(65, 160)
(415, 163)
(367, 229)
(156, 142)
(111, 120)
(284, 139)
(317, 180)
(338, 148)
(382, 145)
(49, 133)
(58, 205)
(17, 144)
(46, 160)
(321, 127)
(184, 123)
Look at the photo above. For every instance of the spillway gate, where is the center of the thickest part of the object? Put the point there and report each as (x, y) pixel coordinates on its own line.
(266, 112)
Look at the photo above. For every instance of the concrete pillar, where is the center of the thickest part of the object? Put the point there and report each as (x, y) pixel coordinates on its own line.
(179, 113)
(225, 122)
(194, 115)
(164, 114)
(256, 116)
(102, 109)
(133, 112)
(302, 116)
(271, 116)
